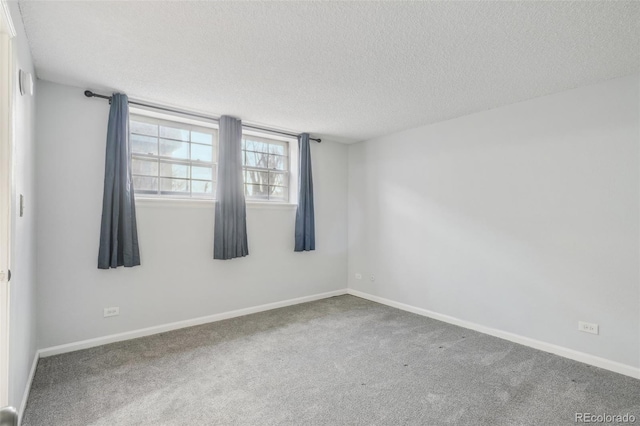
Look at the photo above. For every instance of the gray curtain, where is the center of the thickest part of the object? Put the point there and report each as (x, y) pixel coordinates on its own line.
(118, 232)
(305, 222)
(230, 231)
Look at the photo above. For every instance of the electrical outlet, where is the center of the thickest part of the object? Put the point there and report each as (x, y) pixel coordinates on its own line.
(372, 278)
(111, 312)
(587, 327)
(358, 276)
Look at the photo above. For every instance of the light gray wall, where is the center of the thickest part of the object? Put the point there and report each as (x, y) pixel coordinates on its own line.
(178, 279)
(524, 218)
(23, 258)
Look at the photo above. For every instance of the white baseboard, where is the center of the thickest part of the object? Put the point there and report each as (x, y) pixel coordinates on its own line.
(98, 341)
(25, 396)
(596, 361)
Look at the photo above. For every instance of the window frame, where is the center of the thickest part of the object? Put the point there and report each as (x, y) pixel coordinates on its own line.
(292, 171)
(289, 171)
(184, 124)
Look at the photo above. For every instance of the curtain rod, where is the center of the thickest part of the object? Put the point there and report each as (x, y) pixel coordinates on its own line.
(90, 94)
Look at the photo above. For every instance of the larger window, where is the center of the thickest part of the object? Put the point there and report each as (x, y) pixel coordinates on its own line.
(173, 159)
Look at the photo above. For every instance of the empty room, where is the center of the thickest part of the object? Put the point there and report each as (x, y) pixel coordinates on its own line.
(319, 213)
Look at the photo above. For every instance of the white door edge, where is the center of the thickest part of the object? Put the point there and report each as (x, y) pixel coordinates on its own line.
(7, 32)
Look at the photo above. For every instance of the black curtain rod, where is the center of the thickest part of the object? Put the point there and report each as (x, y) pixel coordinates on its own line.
(90, 94)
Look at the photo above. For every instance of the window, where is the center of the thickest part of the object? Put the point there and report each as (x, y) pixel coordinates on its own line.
(265, 164)
(178, 159)
(171, 158)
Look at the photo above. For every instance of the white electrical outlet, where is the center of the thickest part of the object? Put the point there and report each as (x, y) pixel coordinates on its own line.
(372, 278)
(587, 327)
(358, 276)
(111, 312)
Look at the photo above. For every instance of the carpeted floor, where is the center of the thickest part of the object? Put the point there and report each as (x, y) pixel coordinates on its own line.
(338, 361)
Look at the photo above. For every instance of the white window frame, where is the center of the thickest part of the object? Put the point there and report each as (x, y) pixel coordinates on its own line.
(292, 167)
(292, 171)
(178, 120)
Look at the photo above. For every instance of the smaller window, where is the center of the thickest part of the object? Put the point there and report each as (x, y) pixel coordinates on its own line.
(265, 164)
(174, 159)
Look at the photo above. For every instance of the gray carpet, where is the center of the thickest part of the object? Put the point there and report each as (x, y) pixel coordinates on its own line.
(338, 361)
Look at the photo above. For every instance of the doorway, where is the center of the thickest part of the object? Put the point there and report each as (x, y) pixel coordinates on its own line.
(6, 162)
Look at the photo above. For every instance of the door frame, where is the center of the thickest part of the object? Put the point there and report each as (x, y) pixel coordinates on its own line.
(7, 102)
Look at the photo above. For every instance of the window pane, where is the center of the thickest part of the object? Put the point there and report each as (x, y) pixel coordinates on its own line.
(277, 149)
(252, 176)
(202, 187)
(256, 159)
(266, 163)
(204, 173)
(256, 146)
(278, 193)
(143, 128)
(256, 191)
(144, 145)
(174, 170)
(144, 167)
(174, 185)
(174, 133)
(186, 166)
(147, 184)
(174, 149)
(201, 152)
(278, 162)
(278, 179)
(204, 138)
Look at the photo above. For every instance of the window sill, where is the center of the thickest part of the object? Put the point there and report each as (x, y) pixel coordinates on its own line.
(205, 204)
(270, 206)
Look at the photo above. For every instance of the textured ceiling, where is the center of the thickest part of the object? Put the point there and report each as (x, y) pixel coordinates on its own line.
(346, 70)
